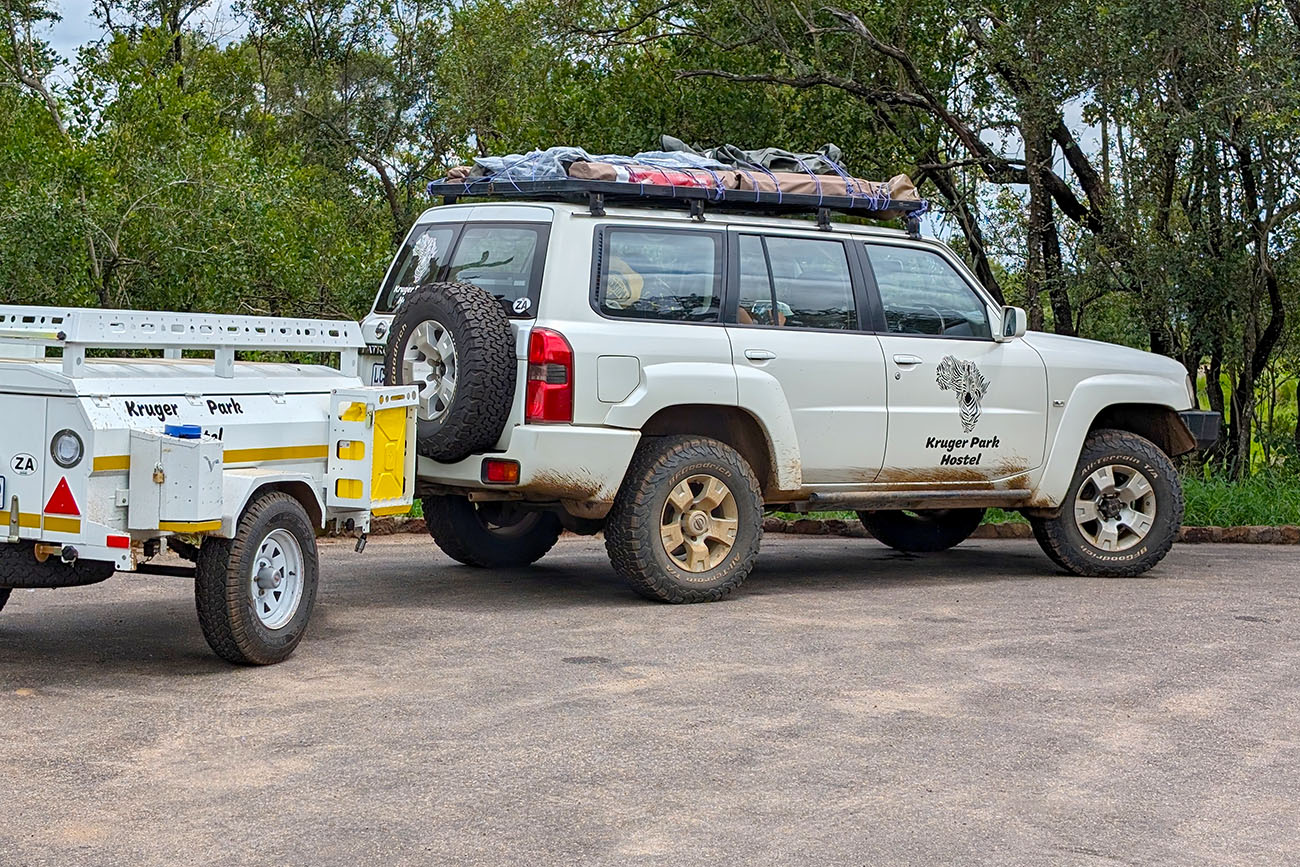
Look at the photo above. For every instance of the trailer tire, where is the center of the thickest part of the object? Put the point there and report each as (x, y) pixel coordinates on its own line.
(922, 532)
(490, 535)
(454, 341)
(244, 619)
(19, 568)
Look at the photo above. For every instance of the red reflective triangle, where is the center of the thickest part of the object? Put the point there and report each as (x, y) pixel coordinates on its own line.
(61, 501)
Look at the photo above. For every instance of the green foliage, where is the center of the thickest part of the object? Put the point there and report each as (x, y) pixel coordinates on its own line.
(1268, 498)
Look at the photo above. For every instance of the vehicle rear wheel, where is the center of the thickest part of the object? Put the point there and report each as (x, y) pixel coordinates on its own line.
(453, 341)
(490, 535)
(687, 521)
(254, 593)
(1122, 511)
(20, 568)
(922, 532)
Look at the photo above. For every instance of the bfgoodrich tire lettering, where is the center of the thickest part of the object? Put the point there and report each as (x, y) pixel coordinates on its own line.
(635, 530)
(225, 570)
(490, 535)
(484, 374)
(1066, 543)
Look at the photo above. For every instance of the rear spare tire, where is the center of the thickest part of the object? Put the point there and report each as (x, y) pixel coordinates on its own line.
(453, 341)
(923, 532)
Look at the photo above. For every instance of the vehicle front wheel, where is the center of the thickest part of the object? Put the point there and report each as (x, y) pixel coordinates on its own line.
(491, 535)
(1122, 511)
(254, 593)
(687, 521)
(923, 532)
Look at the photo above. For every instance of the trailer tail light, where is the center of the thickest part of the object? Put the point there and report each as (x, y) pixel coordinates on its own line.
(118, 542)
(550, 378)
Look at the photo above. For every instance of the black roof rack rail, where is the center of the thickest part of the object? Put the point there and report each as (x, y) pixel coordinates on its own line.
(697, 200)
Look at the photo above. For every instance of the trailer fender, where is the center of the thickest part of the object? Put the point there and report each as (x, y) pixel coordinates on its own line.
(240, 486)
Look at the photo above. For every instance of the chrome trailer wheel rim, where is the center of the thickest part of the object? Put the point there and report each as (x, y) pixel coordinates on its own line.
(1115, 508)
(700, 522)
(429, 363)
(276, 583)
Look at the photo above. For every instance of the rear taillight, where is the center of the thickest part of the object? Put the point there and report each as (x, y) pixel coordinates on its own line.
(550, 377)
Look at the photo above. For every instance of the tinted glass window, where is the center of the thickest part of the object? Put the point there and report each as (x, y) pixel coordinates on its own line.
(661, 275)
(923, 294)
(419, 263)
(809, 278)
(499, 259)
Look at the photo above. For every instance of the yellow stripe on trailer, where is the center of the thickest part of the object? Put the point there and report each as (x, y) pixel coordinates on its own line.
(277, 453)
(392, 510)
(190, 526)
(30, 520)
(111, 463)
(62, 525)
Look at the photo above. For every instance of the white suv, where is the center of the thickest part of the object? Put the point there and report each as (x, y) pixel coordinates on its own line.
(667, 376)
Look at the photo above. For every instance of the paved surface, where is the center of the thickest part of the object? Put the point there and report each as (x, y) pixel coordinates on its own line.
(849, 706)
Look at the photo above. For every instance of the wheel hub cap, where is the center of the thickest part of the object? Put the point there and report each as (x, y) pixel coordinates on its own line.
(700, 522)
(1115, 508)
(429, 363)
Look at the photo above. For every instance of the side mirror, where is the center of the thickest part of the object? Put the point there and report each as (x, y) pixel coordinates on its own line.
(1014, 323)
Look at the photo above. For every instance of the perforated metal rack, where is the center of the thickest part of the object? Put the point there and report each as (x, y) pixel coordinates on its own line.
(697, 200)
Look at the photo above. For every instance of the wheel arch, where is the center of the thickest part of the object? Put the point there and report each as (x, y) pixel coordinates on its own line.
(1158, 423)
(728, 424)
(239, 489)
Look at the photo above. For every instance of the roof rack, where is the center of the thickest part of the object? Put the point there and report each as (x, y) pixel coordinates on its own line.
(696, 200)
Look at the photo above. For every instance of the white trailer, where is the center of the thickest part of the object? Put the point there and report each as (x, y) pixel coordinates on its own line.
(113, 454)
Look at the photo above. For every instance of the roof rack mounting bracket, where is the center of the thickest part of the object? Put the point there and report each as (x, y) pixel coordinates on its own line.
(449, 200)
(824, 219)
(913, 225)
(596, 202)
(697, 209)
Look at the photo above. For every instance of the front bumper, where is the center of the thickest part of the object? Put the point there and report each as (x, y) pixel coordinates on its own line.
(1202, 425)
(556, 462)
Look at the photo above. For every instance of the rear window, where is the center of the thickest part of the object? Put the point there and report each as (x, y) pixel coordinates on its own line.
(505, 259)
(666, 275)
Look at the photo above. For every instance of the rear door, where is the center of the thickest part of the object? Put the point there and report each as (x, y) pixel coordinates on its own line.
(962, 407)
(795, 317)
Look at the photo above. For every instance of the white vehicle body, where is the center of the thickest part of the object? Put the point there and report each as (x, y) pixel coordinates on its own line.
(337, 447)
(857, 418)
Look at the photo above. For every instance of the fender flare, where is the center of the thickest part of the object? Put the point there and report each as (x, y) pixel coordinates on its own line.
(238, 487)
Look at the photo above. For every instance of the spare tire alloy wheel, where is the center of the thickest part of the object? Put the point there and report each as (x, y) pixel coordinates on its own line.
(429, 363)
(454, 343)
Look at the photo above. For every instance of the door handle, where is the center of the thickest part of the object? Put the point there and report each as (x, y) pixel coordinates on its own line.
(761, 354)
(907, 360)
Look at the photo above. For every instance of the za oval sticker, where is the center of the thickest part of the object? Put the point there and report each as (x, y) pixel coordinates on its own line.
(23, 465)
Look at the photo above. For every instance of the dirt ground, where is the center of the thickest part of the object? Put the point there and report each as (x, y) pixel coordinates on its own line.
(849, 705)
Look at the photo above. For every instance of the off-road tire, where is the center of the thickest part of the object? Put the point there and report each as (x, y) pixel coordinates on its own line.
(459, 528)
(485, 361)
(221, 584)
(19, 568)
(922, 532)
(632, 530)
(1060, 537)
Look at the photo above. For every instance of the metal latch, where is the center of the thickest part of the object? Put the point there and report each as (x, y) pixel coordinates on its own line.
(13, 519)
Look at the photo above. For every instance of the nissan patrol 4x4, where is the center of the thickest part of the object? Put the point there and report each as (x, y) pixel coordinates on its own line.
(665, 368)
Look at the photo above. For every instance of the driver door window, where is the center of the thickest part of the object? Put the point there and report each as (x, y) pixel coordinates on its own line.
(922, 294)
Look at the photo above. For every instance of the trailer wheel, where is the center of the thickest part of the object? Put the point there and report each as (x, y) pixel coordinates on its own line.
(453, 341)
(254, 593)
(492, 535)
(20, 568)
(922, 532)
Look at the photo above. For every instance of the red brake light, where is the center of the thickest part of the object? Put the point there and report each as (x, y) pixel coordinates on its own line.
(550, 377)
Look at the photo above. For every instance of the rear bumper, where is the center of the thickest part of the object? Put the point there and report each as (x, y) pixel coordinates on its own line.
(556, 462)
(1202, 425)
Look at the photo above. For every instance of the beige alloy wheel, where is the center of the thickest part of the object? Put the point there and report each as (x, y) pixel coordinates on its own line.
(1115, 508)
(699, 523)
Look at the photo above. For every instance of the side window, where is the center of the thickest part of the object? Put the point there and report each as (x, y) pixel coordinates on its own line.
(418, 263)
(500, 260)
(649, 274)
(796, 283)
(922, 294)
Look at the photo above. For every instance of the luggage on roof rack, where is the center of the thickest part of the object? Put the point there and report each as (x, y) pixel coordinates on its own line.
(696, 199)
